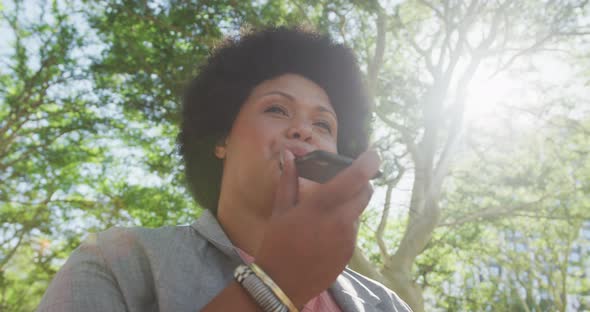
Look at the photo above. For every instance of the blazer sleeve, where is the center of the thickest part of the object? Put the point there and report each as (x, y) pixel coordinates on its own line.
(84, 283)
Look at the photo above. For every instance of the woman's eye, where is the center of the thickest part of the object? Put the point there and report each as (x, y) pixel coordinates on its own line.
(325, 125)
(277, 110)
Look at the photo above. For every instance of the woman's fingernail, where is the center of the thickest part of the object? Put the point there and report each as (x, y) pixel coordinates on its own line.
(289, 155)
(371, 161)
(281, 160)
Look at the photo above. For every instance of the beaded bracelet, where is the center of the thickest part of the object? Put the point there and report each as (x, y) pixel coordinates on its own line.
(263, 290)
(274, 287)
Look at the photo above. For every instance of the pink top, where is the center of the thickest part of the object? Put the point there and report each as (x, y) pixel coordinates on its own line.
(323, 302)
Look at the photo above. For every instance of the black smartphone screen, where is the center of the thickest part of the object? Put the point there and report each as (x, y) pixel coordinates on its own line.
(321, 166)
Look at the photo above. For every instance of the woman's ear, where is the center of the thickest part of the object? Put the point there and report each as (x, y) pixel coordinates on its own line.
(220, 148)
(220, 151)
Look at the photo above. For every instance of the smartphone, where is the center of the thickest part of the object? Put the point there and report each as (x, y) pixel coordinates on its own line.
(321, 166)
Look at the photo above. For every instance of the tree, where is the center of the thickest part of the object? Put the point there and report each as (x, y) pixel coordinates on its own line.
(88, 108)
(60, 171)
(88, 120)
(525, 212)
(420, 82)
(40, 121)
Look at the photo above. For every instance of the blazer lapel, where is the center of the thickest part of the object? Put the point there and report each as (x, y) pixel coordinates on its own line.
(352, 296)
(208, 226)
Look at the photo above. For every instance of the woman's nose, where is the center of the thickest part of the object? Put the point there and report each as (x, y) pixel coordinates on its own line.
(300, 131)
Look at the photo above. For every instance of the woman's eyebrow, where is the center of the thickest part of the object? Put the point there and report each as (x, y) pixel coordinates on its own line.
(281, 93)
(320, 108)
(324, 109)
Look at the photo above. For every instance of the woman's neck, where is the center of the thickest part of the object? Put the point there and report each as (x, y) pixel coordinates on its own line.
(244, 227)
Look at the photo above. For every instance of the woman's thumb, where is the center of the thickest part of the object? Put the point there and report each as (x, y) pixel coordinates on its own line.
(287, 188)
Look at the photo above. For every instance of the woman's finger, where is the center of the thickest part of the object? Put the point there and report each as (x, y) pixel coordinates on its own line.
(348, 183)
(287, 188)
(355, 207)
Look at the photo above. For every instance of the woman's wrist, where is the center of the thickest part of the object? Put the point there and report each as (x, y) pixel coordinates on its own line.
(263, 289)
(280, 275)
(276, 290)
(233, 298)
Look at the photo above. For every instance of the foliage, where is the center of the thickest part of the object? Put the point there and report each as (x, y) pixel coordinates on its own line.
(520, 220)
(40, 173)
(61, 170)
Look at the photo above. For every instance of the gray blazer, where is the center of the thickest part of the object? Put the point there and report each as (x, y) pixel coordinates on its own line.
(175, 268)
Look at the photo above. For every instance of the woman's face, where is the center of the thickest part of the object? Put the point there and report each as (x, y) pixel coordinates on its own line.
(287, 112)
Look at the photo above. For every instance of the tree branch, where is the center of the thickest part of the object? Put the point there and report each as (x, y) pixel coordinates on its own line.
(361, 264)
(25, 229)
(377, 60)
(12, 251)
(302, 11)
(407, 139)
(534, 47)
(385, 215)
(456, 128)
(494, 213)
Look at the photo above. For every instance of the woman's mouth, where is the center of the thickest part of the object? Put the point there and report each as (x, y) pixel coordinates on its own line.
(299, 150)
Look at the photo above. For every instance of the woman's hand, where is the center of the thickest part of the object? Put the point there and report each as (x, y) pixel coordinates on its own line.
(307, 244)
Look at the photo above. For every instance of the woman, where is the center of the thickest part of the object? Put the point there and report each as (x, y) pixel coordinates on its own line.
(257, 103)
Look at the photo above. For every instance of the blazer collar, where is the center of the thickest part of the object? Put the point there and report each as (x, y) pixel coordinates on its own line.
(352, 296)
(349, 293)
(208, 226)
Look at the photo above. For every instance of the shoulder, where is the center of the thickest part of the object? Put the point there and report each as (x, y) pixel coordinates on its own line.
(131, 243)
(387, 297)
(137, 234)
(121, 252)
(119, 234)
(128, 267)
(109, 270)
